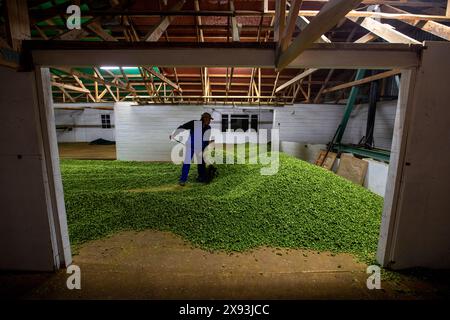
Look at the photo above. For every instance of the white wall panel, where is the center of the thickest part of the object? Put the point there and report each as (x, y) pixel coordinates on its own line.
(142, 132)
(316, 124)
(86, 117)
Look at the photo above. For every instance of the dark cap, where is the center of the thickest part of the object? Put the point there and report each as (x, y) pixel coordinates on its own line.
(206, 115)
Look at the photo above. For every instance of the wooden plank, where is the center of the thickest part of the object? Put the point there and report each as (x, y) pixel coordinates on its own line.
(157, 31)
(331, 13)
(364, 80)
(291, 23)
(384, 31)
(327, 162)
(438, 29)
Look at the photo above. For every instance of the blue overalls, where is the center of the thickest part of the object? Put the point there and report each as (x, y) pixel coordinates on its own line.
(197, 148)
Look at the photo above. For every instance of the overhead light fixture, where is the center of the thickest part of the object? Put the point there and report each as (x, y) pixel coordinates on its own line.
(116, 68)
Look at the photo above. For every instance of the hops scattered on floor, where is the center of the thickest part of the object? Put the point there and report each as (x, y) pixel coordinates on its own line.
(302, 206)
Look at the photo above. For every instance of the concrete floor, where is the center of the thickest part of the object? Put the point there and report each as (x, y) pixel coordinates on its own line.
(85, 151)
(159, 265)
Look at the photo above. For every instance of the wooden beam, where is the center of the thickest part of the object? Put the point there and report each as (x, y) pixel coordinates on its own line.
(234, 24)
(384, 31)
(280, 20)
(303, 22)
(331, 13)
(375, 15)
(295, 79)
(81, 84)
(74, 34)
(199, 23)
(69, 87)
(162, 78)
(128, 84)
(364, 39)
(80, 74)
(364, 80)
(291, 23)
(96, 28)
(66, 94)
(17, 22)
(229, 80)
(447, 12)
(150, 88)
(108, 87)
(240, 55)
(157, 31)
(438, 29)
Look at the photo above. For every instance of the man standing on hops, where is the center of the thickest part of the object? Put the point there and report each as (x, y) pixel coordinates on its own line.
(198, 140)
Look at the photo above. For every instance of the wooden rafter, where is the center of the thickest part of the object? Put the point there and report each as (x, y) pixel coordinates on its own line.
(66, 94)
(162, 78)
(377, 15)
(107, 86)
(438, 29)
(280, 20)
(158, 30)
(97, 29)
(330, 14)
(234, 24)
(364, 39)
(81, 84)
(363, 81)
(384, 31)
(291, 23)
(69, 87)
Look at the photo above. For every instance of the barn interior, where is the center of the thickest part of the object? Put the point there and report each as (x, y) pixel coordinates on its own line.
(349, 97)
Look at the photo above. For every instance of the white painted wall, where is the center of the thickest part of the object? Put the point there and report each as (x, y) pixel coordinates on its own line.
(142, 132)
(316, 124)
(90, 117)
